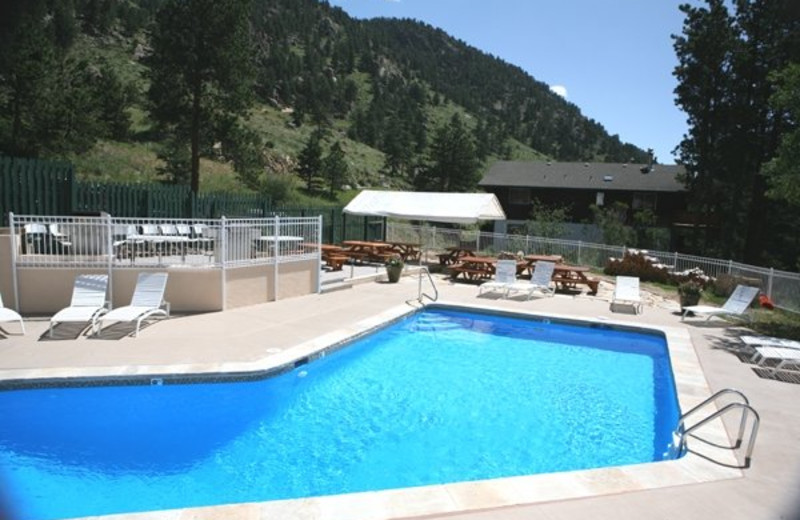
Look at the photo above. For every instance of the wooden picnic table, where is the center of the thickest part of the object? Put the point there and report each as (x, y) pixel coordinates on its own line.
(407, 250)
(454, 255)
(478, 267)
(532, 259)
(333, 255)
(570, 276)
(530, 262)
(362, 250)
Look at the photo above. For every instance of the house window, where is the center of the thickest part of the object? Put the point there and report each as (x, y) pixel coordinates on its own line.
(600, 198)
(644, 201)
(519, 196)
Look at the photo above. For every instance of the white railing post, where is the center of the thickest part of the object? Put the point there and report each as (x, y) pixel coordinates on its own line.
(14, 246)
(730, 266)
(319, 254)
(769, 282)
(277, 254)
(580, 244)
(223, 253)
(110, 249)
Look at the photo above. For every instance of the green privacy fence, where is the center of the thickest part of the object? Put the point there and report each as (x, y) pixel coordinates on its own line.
(36, 187)
(338, 226)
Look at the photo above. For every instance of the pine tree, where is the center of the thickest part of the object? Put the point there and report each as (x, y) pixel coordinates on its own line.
(309, 163)
(452, 162)
(334, 168)
(200, 72)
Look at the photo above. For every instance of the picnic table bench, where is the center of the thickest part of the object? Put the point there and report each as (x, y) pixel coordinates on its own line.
(570, 276)
(454, 255)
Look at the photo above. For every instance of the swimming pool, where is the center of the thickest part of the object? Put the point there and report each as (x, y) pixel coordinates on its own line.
(438, 411)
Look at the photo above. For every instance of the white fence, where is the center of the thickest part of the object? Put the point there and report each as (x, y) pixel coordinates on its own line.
(782, 287)
(119, 243)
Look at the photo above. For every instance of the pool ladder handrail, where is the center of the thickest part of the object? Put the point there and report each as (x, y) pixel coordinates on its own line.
(744, 405)
(420, 294)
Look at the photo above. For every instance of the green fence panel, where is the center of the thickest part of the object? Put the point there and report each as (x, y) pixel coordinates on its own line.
(31, 186)
(338, 226)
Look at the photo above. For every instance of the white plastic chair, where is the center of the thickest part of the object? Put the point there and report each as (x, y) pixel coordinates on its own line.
(88, 302)
(7, 315)
(505, 274)
(626, 292)
(737, 303)
(540, 281)
(147, 301)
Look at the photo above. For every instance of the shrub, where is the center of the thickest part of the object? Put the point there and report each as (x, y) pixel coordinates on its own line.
(724, 285)
(640, 264)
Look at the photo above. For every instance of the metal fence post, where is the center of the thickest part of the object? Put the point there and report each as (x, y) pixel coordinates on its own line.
(319, 254)
(223, 253)
(110, 249)
(277, 254)
(580, 244)
(14, 279)
(769, 282)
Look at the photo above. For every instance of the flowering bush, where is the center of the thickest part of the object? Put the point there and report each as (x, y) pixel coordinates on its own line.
(395, 260)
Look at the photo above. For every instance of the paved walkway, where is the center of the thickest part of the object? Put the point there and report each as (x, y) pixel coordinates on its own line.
(251, 336)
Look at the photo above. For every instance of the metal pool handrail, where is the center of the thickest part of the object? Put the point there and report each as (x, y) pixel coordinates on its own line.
(421, 294)
(744, 406)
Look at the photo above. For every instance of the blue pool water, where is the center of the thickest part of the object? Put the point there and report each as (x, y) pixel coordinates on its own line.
(441, 396)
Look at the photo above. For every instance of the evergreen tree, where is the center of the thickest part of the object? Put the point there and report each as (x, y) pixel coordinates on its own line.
(783, 171)
(200, 72)
(309, 163)
(724, 62)
(334, 168)
(452, 163)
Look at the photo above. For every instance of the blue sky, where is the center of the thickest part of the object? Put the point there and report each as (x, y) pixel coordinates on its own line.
(613, 58)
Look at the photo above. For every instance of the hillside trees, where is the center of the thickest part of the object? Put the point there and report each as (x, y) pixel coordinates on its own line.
(54, 100)
(725, 59)
(201, 75)
(452, 161)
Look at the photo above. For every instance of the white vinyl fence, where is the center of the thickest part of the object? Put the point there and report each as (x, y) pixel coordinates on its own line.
(782, 287)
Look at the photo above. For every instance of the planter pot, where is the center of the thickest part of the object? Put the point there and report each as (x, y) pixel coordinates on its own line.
(393, 272)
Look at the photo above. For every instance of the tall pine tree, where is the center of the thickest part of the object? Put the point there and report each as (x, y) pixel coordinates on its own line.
(201, 74)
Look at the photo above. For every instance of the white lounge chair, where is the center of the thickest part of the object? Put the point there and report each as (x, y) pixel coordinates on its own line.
(785, 356)
(88, 302)
(505, 274)
(626, 292)
(540, 281)
(7, 314)
(737, 303)
(768, 341)
(147, 301)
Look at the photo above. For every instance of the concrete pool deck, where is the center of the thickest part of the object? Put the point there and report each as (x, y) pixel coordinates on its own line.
(261, 336)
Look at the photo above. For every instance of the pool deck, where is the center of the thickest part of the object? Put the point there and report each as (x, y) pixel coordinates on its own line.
(263, 336)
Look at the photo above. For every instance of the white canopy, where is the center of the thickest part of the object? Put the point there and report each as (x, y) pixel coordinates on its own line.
(457, 208)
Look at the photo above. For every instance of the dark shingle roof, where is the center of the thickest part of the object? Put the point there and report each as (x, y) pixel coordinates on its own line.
(587, 176)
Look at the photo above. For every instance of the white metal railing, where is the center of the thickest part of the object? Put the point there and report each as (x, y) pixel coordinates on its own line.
(782, 287)
(114, 242)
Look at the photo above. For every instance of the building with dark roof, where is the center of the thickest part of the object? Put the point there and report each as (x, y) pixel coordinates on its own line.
(579, 185)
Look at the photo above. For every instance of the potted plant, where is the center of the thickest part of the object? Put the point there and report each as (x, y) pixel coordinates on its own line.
(394, 268)
(689, 293)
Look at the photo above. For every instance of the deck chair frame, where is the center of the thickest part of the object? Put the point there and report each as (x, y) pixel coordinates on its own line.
(147, 301)
(88, 302)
